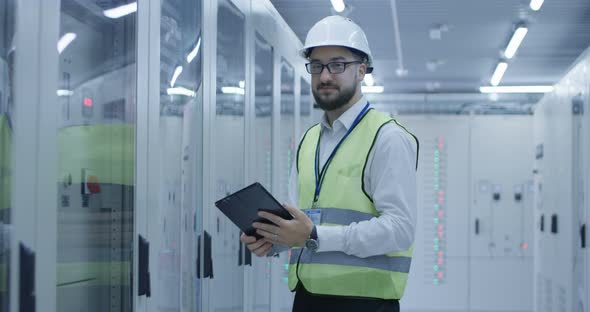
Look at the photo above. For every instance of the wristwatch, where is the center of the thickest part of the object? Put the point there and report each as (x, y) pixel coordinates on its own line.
(312, 242)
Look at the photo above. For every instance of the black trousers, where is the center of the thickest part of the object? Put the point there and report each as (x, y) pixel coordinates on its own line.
(308, 302)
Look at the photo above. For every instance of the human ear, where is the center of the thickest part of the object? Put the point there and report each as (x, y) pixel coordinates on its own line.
(362, 71)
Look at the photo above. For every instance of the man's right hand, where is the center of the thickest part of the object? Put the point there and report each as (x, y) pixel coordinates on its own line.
(259, 247)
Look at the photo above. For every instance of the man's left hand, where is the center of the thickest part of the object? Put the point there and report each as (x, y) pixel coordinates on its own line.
(292, 233)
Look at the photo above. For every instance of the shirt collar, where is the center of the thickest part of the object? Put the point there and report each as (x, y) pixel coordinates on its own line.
(348, 117)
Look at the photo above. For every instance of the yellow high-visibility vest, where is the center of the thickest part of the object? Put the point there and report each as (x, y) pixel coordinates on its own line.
(343, 200)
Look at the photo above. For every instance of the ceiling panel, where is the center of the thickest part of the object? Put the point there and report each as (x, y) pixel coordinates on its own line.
(470, 45)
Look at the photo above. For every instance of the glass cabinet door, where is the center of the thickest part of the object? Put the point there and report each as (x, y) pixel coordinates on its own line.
(180, 106)
(96, 155)
(287, 152)
(263, 113)
(7, 51)
(228, 135)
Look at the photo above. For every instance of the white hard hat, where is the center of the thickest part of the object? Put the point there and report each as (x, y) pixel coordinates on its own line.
(337, 30)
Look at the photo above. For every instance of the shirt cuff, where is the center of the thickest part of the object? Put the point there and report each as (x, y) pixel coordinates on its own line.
(330, 238)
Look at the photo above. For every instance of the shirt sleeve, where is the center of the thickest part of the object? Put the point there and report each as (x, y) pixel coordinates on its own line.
(391, 182)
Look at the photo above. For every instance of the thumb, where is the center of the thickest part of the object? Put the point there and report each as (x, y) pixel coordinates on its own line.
(294, 211)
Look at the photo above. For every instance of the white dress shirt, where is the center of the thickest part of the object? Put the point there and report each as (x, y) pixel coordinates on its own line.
(390, 180)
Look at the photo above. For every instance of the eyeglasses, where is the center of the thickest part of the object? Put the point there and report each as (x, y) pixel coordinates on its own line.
(333, 67)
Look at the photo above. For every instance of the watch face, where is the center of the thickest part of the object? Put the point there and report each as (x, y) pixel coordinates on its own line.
(311, 244)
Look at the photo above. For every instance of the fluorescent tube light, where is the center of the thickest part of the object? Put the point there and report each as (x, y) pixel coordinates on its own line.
(181, 91)
(515, 41)
(369, 81)
(233, 90)
(536, 4)
(517, 89)
(498, 73)
(62, 92)
(338, 5)
(194, 52)
(121, 11)
(372, 89)
(65, 41)
(177, 73)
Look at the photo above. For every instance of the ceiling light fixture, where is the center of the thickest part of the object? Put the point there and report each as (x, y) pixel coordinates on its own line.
(369, 81)
(499, 73)
(372, 89)
(121, 10)
(64, 92)
(517, 89)
(64, 41)
(177, 73)
(194, 52)
(181, 91)
(536, 4)
(233, 90)
(338, 5)
(515, 41)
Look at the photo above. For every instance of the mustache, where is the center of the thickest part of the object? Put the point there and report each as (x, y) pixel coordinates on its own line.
(324, 85)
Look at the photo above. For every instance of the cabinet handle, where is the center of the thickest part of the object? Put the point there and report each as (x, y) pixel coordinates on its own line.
(27, 300)
(144, 286)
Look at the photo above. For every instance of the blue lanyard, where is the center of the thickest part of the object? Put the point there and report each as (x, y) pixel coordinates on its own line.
(319, 176)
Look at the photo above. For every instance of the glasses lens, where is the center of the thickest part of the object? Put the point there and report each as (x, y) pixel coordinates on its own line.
(336, 67)
(315, 68)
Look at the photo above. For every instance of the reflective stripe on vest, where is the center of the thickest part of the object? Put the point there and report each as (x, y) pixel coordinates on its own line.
(343, 201)
(393, 264)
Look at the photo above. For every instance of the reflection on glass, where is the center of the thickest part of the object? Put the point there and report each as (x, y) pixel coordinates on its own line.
(287, 152)
(287, 125)
(180, 99)
(96, 137)
(7, 52)
(263, 163)
(228, 161)
(306, 105)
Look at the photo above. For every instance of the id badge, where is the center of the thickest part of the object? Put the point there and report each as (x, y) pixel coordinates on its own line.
(315, 215)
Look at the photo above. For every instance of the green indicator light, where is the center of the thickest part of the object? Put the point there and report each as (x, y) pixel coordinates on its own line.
(435, 247)
(285, 280)
(435, 282)
(436, 240)
(286, 267)
(436, 220)
(436, 268)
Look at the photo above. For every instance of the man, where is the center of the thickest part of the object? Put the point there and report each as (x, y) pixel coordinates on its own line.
(354, 180)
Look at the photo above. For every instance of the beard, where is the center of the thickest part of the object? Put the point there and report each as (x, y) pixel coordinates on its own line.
(329, 102)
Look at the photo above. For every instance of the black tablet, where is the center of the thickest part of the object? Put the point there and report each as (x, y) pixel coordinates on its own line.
(242, 207)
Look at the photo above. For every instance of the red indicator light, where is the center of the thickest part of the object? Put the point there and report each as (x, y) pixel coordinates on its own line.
(441, 193)
(440, 200)
(87, 102)
(440, 234)
(440, 227)
(525, 246)
(440, 140)
(440, 213)
(440, 254)
(441, 146)
(439, 274)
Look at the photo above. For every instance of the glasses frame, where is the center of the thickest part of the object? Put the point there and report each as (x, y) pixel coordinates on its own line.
(308, 66)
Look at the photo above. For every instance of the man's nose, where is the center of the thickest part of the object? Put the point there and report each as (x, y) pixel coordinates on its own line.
(325, 75)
